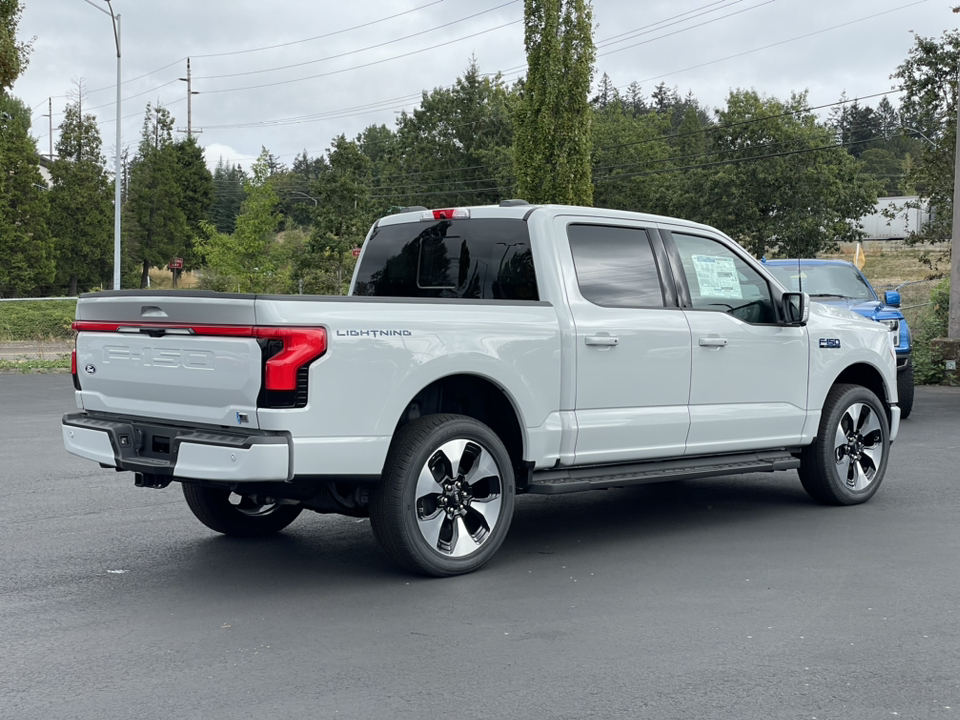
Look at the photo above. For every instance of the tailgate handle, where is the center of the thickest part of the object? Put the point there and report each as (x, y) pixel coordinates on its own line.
(152, 311)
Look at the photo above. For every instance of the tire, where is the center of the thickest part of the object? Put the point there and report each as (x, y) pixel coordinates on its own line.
(446, 498)
(243, 517)
(905, 391)
(845, 464)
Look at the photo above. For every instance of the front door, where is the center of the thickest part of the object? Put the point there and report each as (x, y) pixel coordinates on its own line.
(748, 387)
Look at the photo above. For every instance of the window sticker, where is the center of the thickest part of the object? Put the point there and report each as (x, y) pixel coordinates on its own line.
(717, 277)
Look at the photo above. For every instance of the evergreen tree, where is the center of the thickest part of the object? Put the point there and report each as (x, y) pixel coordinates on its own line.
(552, 146)
(664, 99)
(634, 100)
(81, 207)
(155, 227)
(606, 93)
(196, 189)
(26, 248)
(293, 186)
(228, 196)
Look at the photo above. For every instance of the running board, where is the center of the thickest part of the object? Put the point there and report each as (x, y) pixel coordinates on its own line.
(555, 482)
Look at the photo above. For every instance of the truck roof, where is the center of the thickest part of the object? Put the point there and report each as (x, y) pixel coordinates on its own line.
(521, 212)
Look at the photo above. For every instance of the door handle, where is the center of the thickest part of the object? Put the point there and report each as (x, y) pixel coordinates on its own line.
(603, 340)
(717, 342)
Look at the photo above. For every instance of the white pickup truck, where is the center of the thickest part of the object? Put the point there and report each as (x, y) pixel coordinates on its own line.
(483, 352)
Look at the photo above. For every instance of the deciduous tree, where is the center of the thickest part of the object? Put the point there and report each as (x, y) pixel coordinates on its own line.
(552, 147)
(778, 184)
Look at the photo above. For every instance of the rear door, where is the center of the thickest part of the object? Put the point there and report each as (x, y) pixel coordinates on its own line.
(748, 387)
(632, 343)
(138, 355)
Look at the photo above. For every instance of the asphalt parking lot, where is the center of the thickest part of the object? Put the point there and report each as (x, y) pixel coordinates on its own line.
(724, 598)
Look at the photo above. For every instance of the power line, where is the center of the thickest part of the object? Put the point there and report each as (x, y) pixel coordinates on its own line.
(251, 50)
(719, 163)
(139, 77)
(666, 20)
(682, 30)
(660, 138)
(783, 42)
(725, 126)
(269, 47)
(325, 116)
(359, 50)
(319, 37)
(365, 65)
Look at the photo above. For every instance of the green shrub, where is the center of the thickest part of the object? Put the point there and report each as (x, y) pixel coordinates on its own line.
(39, 320)
(932, 324)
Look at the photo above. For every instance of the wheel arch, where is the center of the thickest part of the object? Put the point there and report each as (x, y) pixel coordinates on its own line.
(868, 376)
(476, 396)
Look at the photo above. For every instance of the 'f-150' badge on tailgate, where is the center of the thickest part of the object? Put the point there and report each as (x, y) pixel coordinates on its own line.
(90, 369)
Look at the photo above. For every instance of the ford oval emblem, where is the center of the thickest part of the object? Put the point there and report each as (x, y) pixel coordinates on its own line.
(90, 369)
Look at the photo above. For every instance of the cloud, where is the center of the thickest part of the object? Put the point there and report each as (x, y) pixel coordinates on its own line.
(213, 152)
(358, 63)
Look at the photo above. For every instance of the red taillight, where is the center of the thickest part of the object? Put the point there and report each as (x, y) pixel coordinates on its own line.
(300, 345)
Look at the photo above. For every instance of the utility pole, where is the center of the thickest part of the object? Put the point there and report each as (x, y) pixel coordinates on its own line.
(190, 93)
(949, 347)
(953, 326)
(50, 115)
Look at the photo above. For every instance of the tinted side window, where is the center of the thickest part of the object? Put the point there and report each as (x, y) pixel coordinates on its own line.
(615, 266)
(719, 279)
(478, 258)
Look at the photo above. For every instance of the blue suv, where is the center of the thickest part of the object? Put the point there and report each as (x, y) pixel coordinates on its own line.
(837, 282)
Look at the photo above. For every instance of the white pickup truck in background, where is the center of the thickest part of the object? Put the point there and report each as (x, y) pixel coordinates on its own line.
(483, 352)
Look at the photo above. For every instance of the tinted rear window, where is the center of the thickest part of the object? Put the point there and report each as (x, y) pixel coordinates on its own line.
(487, 259)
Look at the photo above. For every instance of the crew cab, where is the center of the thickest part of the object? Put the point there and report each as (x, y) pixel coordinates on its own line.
(838, 282)
(482, 353)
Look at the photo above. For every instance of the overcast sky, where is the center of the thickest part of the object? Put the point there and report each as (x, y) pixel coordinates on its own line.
(362, 62)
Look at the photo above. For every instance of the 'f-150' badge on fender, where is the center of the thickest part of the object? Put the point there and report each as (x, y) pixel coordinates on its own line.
(831, 343)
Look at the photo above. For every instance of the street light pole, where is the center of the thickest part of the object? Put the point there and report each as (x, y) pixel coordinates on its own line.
(116, 173)
(117, 168)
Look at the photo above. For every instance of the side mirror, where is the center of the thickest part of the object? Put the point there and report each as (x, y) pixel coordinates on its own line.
(796, 308)
(892, 298)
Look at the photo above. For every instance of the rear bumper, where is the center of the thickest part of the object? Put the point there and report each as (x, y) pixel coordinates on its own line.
(179, 452)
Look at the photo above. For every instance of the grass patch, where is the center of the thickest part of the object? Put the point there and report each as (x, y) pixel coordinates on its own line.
(37, 320)
(35, 366)
(891, 262)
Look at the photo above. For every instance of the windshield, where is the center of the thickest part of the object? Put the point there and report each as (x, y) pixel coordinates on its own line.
(824, 280)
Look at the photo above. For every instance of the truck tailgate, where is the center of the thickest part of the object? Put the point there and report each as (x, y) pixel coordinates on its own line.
(181, 377)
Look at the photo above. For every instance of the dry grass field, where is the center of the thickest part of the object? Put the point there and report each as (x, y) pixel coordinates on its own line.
(162, 279)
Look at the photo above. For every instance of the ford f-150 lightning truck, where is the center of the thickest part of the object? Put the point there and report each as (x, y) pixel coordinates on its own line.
(482, 353)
